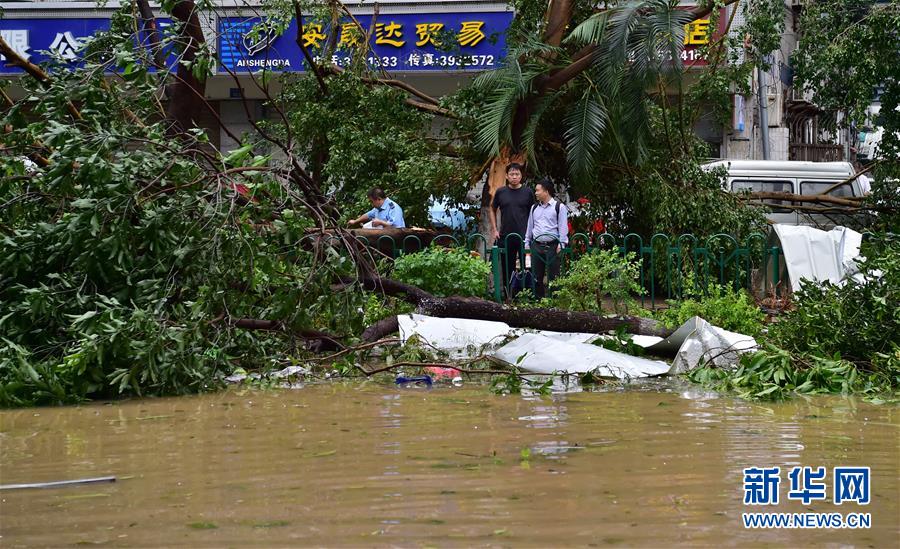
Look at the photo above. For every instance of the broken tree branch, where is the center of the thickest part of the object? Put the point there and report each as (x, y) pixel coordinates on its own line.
(313, 66)
(13, 58)
(840, 201)
(557, 320)
(319, 341)
(863, 171)
(187, 94)
(355, 348)
(148, 24)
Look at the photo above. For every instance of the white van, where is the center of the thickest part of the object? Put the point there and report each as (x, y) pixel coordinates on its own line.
(795, 177)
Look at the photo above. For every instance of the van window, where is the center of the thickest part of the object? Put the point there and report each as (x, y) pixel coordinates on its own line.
(816, 187)
(765, 187)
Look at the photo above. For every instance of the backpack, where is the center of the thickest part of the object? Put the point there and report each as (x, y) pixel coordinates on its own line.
(558, 204)
(520, 280)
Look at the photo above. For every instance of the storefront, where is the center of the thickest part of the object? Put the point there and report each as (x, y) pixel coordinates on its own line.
(433, 46)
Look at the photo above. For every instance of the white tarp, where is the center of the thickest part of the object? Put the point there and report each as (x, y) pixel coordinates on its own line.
(545, 355)
(460, 337)
(817, 255)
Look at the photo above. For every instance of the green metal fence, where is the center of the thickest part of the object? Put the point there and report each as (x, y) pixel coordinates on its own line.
(666, 263)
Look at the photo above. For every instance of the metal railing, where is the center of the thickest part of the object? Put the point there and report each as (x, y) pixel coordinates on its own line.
(818, 152)
(666, 264)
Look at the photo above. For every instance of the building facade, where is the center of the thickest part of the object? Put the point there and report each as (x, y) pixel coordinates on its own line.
(437, 46)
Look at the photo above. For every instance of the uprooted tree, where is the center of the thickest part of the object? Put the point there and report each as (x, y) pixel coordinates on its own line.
(136, 258)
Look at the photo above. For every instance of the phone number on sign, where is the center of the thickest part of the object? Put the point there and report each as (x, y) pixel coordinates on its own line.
(426, 60)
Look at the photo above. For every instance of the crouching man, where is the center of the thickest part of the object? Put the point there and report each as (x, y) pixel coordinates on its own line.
(385, 213)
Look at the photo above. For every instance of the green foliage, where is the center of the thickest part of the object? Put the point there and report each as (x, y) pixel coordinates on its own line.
(612, 133)
(847, 49)
(603, 114)
(621, 342)
(838, 339)
(857, 320)
(352, 153)
(444, 272)
(725, 307)
(510, 384)
(125, 264)
(764, 26)
(379, 307)
(671, 194)
(597, 277)
(773, 374)
(846, 56)
(885, 195)
(515, 383)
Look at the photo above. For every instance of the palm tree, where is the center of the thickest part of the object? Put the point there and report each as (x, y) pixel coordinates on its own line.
(597, 81)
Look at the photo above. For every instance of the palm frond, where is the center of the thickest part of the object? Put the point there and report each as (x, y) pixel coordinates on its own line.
(585, 124)
(591, 30)
(529, 134)
(508, 86)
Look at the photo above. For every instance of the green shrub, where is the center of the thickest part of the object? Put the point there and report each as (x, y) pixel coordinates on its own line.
(378, 307)
(858, 320)
(773, 373)
(444, 272)
(724, 307)
(839, 339)
(598, 277)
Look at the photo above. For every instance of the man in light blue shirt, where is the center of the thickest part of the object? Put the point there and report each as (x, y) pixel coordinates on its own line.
(385, 213)
(546, 236)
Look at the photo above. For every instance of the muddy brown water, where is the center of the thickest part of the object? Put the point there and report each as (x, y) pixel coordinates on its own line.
(373, 465)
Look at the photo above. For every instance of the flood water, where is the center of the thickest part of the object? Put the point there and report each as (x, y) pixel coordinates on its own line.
(374, 465)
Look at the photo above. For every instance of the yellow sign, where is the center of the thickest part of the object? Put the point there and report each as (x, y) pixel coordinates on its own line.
(427, 33)
(350, 35)
(390, 34)
(312, 35)
(695, 33)
(470, 33)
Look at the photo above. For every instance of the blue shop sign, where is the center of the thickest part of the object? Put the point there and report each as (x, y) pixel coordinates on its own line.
(31, 38)
(400, 42)
(38, 40)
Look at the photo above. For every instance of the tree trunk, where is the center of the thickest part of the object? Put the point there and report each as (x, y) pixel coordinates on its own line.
(474, 308)
(556, 320)
(496, 179)
(187, 95)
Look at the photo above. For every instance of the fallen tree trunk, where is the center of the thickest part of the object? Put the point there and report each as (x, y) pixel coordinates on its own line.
(380, 329)
(481, 309)
(316, 341)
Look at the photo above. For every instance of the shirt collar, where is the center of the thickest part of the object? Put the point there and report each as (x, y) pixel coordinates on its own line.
(550, 202)
(385, 205)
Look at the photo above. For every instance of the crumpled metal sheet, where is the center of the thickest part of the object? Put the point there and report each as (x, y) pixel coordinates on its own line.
(460, 337)
(814, 254)
(698, 342)
(541, 354)
(546, 352)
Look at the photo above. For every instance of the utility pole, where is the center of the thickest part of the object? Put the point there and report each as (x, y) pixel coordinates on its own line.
(763, 111)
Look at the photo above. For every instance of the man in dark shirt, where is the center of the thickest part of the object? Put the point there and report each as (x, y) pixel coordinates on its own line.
(514, 202)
